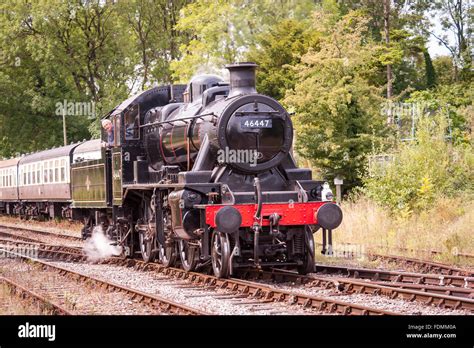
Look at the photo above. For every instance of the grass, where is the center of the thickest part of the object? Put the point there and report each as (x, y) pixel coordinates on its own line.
(11, 305)
(58, 225)
(446, 227)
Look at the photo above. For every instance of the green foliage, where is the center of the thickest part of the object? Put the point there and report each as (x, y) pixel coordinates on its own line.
(338, 118)
(423, 170)
(325, 60)
(223, 31)
(443, 66)
(279, 50)
(430, 70)
(86, 51)
(454, 102)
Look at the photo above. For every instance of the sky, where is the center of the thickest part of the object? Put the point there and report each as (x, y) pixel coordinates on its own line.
(434, 48)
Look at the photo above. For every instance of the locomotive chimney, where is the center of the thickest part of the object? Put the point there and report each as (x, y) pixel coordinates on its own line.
(242, 78)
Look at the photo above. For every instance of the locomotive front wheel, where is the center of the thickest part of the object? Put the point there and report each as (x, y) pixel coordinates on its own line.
(188, 255)
(308, 260)
(220, 254)
(146, 247)
(167, 254)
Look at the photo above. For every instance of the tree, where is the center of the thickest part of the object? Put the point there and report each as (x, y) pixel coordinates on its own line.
(83, 51)
(455, 17)
(338, 119)
(281, 47)
(430, 70)
(223, 31)
(386, 25)
(277, 52)
(153, 24)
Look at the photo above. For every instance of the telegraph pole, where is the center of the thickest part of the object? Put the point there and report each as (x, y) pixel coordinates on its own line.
(64, 126)
(386, 13)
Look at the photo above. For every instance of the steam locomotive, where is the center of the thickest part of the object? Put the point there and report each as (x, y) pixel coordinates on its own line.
(199, 174)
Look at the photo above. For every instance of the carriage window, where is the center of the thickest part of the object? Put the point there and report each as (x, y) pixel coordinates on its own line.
(33, 173)
(38, 173)
(132, 123)
(45, 177)
(63, 171)
(24, 177)
(56, 171)
(51, 178)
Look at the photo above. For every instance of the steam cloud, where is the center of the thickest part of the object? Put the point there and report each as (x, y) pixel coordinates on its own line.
(99, 246)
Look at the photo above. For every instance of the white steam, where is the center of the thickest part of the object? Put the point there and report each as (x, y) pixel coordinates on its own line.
(99, 246)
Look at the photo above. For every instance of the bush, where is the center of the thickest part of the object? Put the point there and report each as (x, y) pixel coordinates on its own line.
(423, 170)
(446, 227)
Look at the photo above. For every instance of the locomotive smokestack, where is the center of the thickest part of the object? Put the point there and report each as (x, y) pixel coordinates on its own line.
(242, 78)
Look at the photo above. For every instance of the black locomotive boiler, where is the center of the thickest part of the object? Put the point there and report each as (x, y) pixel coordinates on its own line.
(203, 175)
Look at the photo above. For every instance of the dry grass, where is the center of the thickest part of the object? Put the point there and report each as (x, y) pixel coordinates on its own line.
(10, 304)
(447, 227)
(53, 225)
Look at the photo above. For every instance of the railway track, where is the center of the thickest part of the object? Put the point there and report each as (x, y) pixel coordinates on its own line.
(42, 250)
(46, 305)
(397, 277)
(40, 237)
(423, 265)
(70, 281)
(420, 264)
(447, 291)
(246, 292)
(6, 228)
(432, 252)
(250, 290)
(445, 297)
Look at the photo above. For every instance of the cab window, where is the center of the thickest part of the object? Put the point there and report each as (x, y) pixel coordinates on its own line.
(132, 122)
(116, 122)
